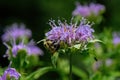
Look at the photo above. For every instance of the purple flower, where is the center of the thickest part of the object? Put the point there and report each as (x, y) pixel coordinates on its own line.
(30, 48)
(82, 10)
(70, 33)
(33, 49)
(18, 47)
(84, 32)
(54, 34)
(97, 65)
(116, 38)
(88, 10)
(15, 48)
(61, 32)
(12, 73)
(108, 62)
(15, 32)
(96, 8)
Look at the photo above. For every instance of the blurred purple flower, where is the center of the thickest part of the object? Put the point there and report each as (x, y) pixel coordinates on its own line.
(96, 8)
(30, 48)
(97, 65)
(88, 10)
(15, 48)
(33, 49)
(108, 62)
(70, 33)
(116, 38)
(12, 73)
(16, 31)
(82, 10)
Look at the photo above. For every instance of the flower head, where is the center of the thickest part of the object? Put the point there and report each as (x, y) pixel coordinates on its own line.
(84, 31)
(16, 48)
(96, 8)
(88, 10)
(61, 32)
(12, 73)
(17, 35)
(15, 32)
(70, 33)
(82, 10)
(30, 48)
(56, 31)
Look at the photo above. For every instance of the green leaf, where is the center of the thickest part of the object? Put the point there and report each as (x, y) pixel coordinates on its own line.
(115, 74)
(93, 54)
(54, 59)
(38, 73)
(79, 72)
(10, 78)
(1, 71)
(96, 76)
(95, 40)
(63, 66)
(34, 59)
(20, 60)
(77, 46)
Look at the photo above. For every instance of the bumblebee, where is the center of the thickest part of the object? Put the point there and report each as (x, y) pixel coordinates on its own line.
(53, 46)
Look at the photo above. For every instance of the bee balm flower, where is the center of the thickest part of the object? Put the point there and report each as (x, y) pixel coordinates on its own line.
(10, 72)
(16, 32)
(88, 10)
(30, 48)
(70, 33)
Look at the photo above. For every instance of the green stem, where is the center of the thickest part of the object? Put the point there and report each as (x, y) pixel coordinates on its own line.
(70, 66)
(35, 75)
